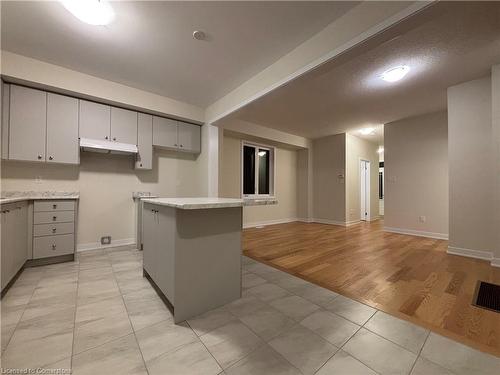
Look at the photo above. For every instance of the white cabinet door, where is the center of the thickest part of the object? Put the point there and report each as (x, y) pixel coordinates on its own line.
(144, 142)
(62, 129)
(6, 254)
(95, 120)
(27, 124)
(5, 119)
(123, 125)
(164, 132)
(20, 233)
(189, 137)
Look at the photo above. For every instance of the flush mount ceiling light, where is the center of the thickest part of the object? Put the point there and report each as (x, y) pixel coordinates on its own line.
(367, 131)
(93, 12)
(396, 73)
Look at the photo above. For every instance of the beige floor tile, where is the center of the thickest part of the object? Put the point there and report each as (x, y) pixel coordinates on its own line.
(403, 333)
(45, 292)
(352, 310)
(289, 282)
(231, 342)
(46, 325)
(100, 309)
(267, 322)
(343, 364)
(44, 306)
(249, 280)
(295, 307)
(244, 305)
(380, 354)
(303, 348)
(146, 312)
(121, 356)
(210, 320)
(94, 274)
(459, 358)
(134, 274)
(163, 337)
(264, 271)
(133, 285)
(18, 295)
(268, 292)
(92, 333)
(331, 327)
(262, 361)
(192, 359)
(316, 294)
(6, 333)
(425, 367)
(247, 260)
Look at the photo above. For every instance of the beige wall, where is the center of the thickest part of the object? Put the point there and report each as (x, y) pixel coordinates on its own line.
(359, 149)
(495, 90)
(285, 183)
(416, 175)
(106, 184)
(472, 229)
(328, 188)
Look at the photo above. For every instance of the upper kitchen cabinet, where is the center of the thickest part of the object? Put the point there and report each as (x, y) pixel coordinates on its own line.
(188, 137)
(62, 129)
(95, 120)
(27, 123)
(144, 142)
(176, 135)
(123, 125)
(164, 132)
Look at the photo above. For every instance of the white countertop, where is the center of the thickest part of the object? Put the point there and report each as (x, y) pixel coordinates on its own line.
(195, 203)
(18, 196)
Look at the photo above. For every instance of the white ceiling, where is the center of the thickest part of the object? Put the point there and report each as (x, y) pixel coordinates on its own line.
(445, 45)
(150, 45)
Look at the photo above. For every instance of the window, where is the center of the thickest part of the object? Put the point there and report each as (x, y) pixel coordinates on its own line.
(257, 170)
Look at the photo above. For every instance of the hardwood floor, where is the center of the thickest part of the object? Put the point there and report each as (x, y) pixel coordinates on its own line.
(410, 277)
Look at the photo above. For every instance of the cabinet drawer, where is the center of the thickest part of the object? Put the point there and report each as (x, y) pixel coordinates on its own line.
(55, 205)
(53, 229)
(50, 246)
(53, 217)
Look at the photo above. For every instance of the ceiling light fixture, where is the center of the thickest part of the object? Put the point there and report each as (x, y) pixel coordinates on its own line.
(380, 150)
(199, 35)
(396, 73)
(93, 12)
(367, 131)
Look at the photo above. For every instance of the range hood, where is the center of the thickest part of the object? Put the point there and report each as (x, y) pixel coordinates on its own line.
(107, 147)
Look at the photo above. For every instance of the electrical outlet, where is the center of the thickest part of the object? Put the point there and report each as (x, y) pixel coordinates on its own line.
(422, 219)
(106, 240)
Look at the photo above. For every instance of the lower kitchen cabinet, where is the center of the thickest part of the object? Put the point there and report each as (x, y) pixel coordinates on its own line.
(14, 252)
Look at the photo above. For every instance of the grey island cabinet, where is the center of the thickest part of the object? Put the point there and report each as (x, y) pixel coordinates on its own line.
(192, 252)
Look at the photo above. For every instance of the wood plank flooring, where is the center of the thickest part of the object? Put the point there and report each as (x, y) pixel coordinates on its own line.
(409, 277)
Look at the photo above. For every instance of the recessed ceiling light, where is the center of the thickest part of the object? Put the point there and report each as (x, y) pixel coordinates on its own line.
(199, 35)
(367, 131)
(396, 73)
(93, 12)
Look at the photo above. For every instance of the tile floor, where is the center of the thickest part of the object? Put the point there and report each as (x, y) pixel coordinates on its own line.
(98, 315)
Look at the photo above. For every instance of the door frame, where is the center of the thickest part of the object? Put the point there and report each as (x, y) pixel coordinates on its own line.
(364, 189)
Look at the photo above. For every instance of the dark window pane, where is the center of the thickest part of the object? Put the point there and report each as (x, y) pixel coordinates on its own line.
(248, 170)
(263, 171)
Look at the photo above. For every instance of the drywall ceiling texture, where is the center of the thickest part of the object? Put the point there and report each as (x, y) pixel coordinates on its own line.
(358, 149)
(470, 150)
(452, 42)
(416, 175)
(150, 46)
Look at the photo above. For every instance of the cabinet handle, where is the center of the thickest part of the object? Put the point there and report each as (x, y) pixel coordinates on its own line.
(181, 146)
(54, 218)
(53, 246)
(54, 206)
(39, 157)
(175, 144)
(50, 158)
(114, 138)
(106, 137)
(54, 230)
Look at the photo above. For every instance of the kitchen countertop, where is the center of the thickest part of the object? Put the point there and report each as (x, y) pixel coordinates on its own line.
(207, 202)
(18, 196)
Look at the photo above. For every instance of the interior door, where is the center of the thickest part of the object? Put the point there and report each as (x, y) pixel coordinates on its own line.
(364, 182)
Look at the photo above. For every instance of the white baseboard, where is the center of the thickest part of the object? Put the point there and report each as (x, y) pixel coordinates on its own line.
(495, 262)
(97, 245)
(411, 232)
(269, 222)
(469, 253)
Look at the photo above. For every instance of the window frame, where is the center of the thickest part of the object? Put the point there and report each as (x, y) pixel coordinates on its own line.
(272, 171)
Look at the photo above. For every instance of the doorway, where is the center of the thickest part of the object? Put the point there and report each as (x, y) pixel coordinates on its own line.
(364, 168)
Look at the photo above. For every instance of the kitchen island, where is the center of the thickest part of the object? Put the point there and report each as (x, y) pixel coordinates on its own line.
(192, 252)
